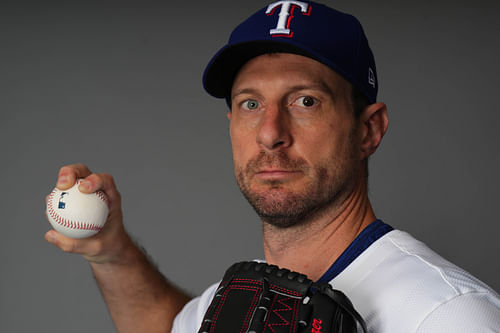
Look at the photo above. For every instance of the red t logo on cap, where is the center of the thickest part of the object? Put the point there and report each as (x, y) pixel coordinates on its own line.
(285, 16)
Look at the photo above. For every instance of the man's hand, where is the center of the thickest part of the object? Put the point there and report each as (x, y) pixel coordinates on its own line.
(139, 297)
(108, 244)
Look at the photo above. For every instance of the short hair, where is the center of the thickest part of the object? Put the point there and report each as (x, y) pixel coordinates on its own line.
(358, 101)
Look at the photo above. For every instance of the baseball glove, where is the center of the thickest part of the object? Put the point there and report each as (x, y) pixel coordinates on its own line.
(259, 298)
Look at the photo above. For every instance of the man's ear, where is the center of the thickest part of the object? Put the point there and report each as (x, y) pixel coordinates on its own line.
(228, 115)
(374, 122)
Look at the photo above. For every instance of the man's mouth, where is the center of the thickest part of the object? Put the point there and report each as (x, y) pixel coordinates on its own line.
(276, 167)
(276, 174)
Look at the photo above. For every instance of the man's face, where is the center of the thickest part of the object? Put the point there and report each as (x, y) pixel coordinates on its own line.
(295, 144)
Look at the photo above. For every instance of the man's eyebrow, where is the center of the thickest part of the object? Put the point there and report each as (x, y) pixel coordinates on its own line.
(318, 85)
(244, 91)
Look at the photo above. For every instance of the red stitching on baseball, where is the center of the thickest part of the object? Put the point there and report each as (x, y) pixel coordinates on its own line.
(103, 197)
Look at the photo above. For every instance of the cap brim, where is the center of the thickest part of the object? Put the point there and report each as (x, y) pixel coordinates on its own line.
(224, 66)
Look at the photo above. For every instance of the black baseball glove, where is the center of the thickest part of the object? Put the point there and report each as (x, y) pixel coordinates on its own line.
(259, 298)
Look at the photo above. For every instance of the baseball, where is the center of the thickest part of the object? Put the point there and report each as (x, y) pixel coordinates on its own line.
(76, 214)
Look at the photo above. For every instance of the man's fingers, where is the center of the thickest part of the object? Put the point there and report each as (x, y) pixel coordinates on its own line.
(69, 174)
(91, 183)
(109, 187)
(103, 182)
(66, 244)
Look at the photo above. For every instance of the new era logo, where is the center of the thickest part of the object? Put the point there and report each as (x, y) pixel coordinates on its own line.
(371, 77)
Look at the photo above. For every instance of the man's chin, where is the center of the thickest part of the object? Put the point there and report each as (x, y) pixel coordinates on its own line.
(274, 198)
(278, 207)
(276, 188)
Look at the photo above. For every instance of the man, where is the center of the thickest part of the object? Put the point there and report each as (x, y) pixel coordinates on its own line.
(301, 83)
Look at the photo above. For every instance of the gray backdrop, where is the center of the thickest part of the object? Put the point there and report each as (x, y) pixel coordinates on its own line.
(116, 85)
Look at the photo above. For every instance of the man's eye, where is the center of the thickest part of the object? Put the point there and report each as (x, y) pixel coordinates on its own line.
(306, 101)
(250, 104)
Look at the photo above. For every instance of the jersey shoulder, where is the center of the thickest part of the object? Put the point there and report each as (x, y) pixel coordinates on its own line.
(400, 284)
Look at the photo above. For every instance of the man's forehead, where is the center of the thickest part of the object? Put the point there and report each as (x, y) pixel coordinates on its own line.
(294, 70)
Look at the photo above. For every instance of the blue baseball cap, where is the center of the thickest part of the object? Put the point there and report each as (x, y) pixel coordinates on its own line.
(305, 28)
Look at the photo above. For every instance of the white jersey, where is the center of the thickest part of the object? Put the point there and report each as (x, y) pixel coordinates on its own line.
(398, 285)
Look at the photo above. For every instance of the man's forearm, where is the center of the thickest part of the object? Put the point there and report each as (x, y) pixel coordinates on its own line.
(139, 297)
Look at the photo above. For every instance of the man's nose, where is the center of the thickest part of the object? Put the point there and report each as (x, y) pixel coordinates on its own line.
(274, 129)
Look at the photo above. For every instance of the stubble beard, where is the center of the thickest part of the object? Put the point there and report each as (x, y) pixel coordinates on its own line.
(284, 208)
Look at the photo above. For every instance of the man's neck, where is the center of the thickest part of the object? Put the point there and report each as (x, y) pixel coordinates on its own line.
(312, 247)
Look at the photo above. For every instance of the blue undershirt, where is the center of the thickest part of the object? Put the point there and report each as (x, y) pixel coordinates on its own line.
(367, 237)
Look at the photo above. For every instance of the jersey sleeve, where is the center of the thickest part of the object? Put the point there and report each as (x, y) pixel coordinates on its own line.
(466, 313)
(190, 317)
